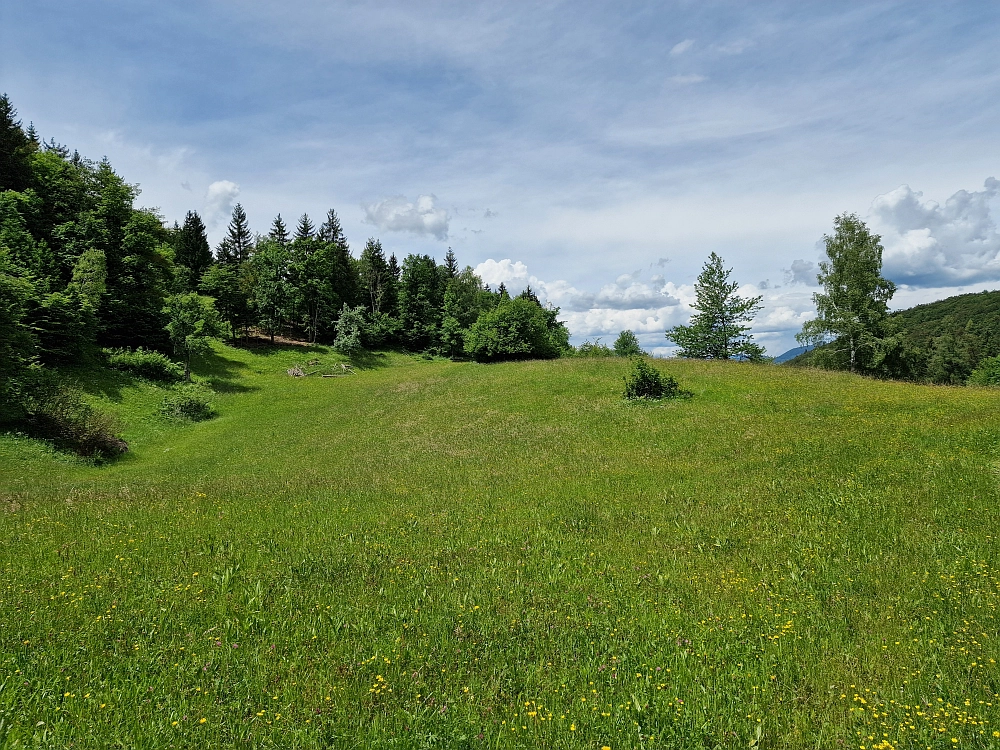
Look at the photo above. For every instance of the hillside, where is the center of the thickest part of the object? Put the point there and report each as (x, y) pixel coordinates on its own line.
(944, 340)
(456, 555)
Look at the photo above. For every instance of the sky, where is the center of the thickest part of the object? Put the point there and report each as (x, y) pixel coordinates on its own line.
(598, 151)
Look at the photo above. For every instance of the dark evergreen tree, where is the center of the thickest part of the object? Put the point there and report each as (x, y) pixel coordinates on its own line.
(305, 230)
(502, 292)
(279, 232)
(331, 231)
(529, 295)
(15, 149)
(237, 245)
(191, 251)
(375, 276)
(450, 264)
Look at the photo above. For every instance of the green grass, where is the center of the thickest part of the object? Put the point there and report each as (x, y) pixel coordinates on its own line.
(432, 554)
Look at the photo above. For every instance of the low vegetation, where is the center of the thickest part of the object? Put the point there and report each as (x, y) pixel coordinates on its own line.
(790, 559)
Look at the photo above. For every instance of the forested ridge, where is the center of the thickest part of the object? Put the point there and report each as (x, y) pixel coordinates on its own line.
(88, 274)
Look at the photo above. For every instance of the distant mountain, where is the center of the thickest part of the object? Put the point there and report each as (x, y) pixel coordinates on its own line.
(791, 354)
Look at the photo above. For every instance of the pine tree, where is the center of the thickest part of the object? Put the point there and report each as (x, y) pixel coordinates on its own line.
(451, 264)
(15, 149)
(305, 230)
(238, 243)
(374, 272)
(331, 230)
(279, 232)
(717, 330)
(192, 250)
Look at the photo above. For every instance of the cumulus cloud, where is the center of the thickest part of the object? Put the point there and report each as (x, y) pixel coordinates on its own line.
(397, 214)
(219, 201)
(681, 47)
(801, 272)
(506, 271)
(932, 245)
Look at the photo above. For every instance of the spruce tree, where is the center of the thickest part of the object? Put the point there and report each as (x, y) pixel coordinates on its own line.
(331, 231)
(15, 149)
(374, 272)
(450, 264)
(238, 242)
(718, 329)
(192, 250)
(279, 232)
(305, 230)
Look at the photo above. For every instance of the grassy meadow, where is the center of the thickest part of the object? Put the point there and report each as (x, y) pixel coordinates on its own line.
(437, 554)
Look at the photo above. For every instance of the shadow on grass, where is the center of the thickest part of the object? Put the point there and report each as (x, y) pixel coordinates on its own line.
(366, 360)
(262, 346)
(221, 373)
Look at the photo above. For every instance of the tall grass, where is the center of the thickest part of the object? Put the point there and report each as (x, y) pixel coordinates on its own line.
(432, 554)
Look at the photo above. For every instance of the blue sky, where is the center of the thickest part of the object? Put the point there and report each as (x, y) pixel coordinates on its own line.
(599, 151)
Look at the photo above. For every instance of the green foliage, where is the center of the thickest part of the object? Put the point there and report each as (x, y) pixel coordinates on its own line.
(266, 276)
(188, 402)
(15, 149)
(987, 373)
(350, 325)
(192, 253)
(516, 329)
(191, 321)
(143, 363)
(594, 349)
(627, 345)
(224, 283)
(421, 297)
(57, 412)
(718, 330)
(852, 310)
(646, 382)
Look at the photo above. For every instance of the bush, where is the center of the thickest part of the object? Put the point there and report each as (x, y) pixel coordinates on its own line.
(144, 364)
(986, 373)
(646, 382)
(349, 327)
(627, 345)
(58, 413)
(188, 402)
(515, 329)
(594, 349)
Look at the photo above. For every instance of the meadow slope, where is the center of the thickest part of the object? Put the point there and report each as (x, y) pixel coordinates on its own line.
(437, 554)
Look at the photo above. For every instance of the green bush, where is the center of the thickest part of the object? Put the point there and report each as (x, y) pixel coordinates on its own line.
(515, 329)
(646, 382)
(146, 364)
(594, 349)
(627, 345)
(57, 412)
(986, 373)
(189, 402)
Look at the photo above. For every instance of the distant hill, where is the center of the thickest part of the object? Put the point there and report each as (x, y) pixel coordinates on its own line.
(791, 354)
(944, 340)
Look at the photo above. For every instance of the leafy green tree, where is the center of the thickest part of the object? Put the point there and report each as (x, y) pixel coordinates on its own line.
(350, 324)
(270, 293)
(90, 276)
(852, 311)
(192, 252)
(17, 340)
(420, 301)
(224, 283)
(191, 321)
(718, 329)
(375, 276)
(515, 329)
(627, 345)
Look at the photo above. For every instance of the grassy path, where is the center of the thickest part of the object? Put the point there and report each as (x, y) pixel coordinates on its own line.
(433, 554)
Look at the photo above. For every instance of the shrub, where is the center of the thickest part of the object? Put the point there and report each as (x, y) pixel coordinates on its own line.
(515, 329)
(986, 373)
(58, 413)
(646, 382)
(627, 345)
(188, 402)
(594, 349)
(349, 327)
(144, 363)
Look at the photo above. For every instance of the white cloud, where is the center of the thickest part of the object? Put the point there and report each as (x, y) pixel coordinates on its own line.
(930, 245)
(681, 47)
(504, 271)
(397, 214)
(801, 272)
(219, 201)
(687, 80)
